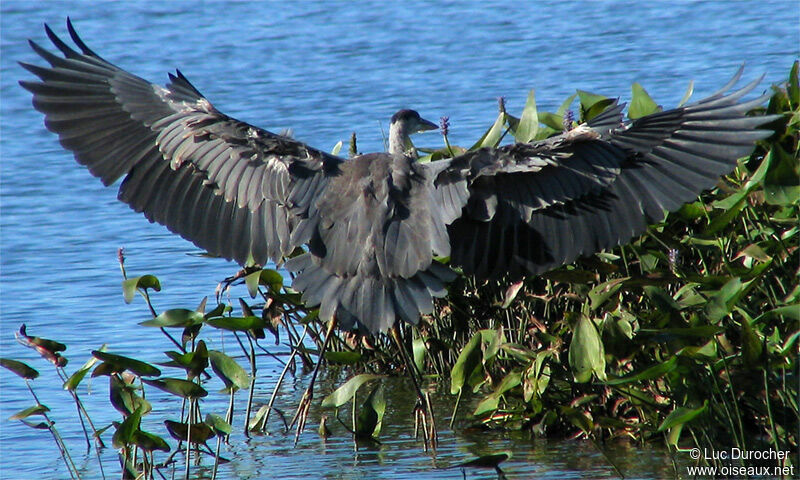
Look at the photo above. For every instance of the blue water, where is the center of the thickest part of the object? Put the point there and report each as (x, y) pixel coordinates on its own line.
(323, 70)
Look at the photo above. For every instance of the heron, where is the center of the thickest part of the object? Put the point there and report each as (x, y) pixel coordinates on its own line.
(372, 225)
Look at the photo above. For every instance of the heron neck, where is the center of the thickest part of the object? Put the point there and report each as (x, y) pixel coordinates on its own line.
(399, 141)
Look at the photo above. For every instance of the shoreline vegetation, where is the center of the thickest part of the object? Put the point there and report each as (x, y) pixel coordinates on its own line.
(687, 337)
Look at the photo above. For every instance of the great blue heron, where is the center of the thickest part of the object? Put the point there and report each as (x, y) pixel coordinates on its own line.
(372, 224)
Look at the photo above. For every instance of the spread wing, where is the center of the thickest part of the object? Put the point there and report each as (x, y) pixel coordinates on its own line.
(216, 181)
(528, 208)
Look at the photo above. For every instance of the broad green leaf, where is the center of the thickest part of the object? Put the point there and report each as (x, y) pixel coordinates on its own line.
(721, 303)
(120, 363)
(230, 372)
(681, 415)
(586, 354)
(21, 369)
(124, 397)
(488, 404)
(655, 371)
(345, 393)
(752, 345)
(588, 99)
(175, 318)
(418, 352)
(707, 352)
(601, 293)
(237, 324)
(220, 426)
(555, 122)
(75, 379)
(468, 361)
(564, 108)
(30, 411)
(794, 86)
(370, 415)
(782, 181)
(200, 432)
(337, 148)
(145, 282)
(178, 386)
(149, 442)
(661, 299)
(267, 277)
(492, 136)
(193, 362)
(641, 103)
(528, 122)
(127, 429)
(577, 418)
(343, 358)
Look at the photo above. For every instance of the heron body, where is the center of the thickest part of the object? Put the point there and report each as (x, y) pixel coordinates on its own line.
(372, 224)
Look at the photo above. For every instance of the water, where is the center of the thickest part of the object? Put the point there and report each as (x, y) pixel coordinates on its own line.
(323, 70)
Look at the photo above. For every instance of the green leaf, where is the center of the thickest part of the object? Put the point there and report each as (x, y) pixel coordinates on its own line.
(149, 442)
(230, 372)
(126, 430)
(237, 324)
(119, 363)
(564, 108)
(468, 361)
(782, 181)
(178, 386)
(75, 379)
(343, 358)
(528, 122)
(30, 411)
(370, 415)
(588, 100)
(175, 318)
(220, 426)
(193, 362)
(124, 398)
(492, 136)
(267, 277)
(586, 354)
(345, 393)
(578, 418)
(601, 293)
(752, 345)
(655, 371)
(200, 432)
(641, 103)
(418, 352)
(21, 369)
(681, 416)
(794, 86)
(720, 304)
(145, 282)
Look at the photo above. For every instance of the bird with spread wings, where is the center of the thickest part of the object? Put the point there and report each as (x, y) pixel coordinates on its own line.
(373, 223)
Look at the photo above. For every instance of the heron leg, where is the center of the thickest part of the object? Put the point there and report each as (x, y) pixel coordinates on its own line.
(301, 414)
(423, 411)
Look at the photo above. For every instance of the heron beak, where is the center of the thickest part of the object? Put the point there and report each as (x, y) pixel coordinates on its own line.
(425, 125)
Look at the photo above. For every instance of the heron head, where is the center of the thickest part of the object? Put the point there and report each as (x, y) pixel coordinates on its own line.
(410, 122)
